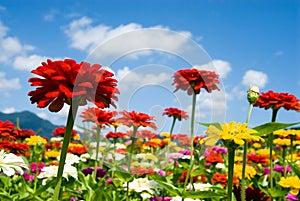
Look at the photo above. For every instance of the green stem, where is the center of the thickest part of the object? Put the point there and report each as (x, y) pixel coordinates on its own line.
(231, 154)
(274, 114)
(130, 157)
(243, 193)
(67, 138)
(173, 124)
(191, 143)
(97, 149)
(292, 147)
(283, 158)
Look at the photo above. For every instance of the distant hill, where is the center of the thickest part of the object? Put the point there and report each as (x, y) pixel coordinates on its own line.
(29, 120)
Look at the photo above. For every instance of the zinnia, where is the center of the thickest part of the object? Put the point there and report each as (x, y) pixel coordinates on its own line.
(61, 81)
(193, 80)
(276, 100)
(137, 119)
(98, 116)
(176, 113)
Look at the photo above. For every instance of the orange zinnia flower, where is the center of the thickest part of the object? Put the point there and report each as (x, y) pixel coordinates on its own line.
(137, 119)
(176, 113)
(60, 81)
(193, 80)
(276, 100)
(98, 116)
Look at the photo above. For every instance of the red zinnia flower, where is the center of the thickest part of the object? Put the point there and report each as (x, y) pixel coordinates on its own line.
(137, 119)
(60, 81)
(98, 116)
(145, 134)
(176, 113)
(276, 100)
(6, 130)
(60, 131)
(183, 139)
(115, 135)
(200, 177)
(193, 80)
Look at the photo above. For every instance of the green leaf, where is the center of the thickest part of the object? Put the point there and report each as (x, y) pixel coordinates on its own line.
(123, 175)
(44, 188)
(203, 194)
(277, 192)
(218, 125)
(271, 127)
(174, 191)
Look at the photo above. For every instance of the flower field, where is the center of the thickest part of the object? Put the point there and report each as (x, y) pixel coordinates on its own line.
(230, 161)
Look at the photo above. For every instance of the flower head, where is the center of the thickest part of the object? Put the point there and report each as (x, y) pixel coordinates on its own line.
(60, 131)
(193, 80)
(249, 174)
(10, 163)
(233, 132)
(115, 135)
(137, 119)
(290, 182)
(35, 140)
(175, 113)
(276, 100)
(62, 80)
(98, 116)
(49, 172)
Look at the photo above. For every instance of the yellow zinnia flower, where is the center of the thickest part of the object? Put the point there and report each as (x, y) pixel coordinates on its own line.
(232, 131)
(282, 142)
(249, 173)
(264, 152)
(165, 134)
(52, 154)
(290, 182)
(35, 140)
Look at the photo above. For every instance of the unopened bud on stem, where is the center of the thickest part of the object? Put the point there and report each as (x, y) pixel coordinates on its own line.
(253, 94)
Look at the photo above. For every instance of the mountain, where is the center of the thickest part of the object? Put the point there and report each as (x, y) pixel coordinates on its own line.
(29, 120)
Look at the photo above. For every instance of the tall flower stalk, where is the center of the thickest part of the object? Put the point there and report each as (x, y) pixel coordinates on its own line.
(65, 81)
(135, 120)
(101, 118)
(275, 101)
(233, 135)
(252, 97)
(176, 114)
(67, 138)
(192, 81)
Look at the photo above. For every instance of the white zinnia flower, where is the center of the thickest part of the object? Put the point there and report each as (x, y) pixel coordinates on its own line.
(51, 171)
(220, 166)
(143, 185)
(199, 187)
(10, 163)
(71, 159)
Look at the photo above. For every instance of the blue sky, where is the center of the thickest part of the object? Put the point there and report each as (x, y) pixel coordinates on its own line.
(244, 41)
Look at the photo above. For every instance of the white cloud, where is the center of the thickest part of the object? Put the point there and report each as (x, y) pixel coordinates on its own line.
(9, 110)
(133, 79)
(220, 66)
(28, 62)
(256, 78)
(9, 84)
(10, 46)
(84, 36)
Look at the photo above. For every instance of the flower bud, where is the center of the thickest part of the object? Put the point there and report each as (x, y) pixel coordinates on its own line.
(253, 94)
